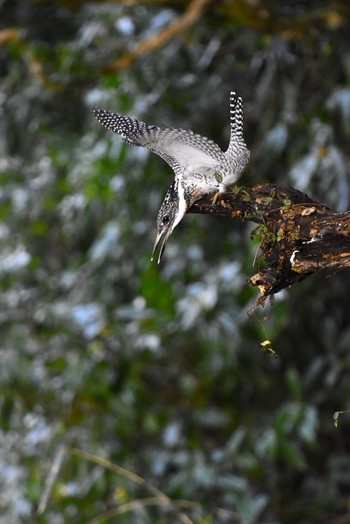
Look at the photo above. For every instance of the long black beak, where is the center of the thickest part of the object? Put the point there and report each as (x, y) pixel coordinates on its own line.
(161, 239)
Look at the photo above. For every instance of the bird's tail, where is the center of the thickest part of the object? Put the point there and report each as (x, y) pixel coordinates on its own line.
(236, 123)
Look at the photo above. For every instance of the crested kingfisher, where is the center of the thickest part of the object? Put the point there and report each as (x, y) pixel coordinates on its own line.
(199, 164)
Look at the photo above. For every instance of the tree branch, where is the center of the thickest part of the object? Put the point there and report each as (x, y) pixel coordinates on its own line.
(297, 235)
(190, 16)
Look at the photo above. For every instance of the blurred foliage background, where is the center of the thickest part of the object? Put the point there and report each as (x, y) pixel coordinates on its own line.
(160, 370)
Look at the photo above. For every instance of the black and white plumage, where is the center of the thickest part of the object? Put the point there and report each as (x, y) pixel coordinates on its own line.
(199, 164)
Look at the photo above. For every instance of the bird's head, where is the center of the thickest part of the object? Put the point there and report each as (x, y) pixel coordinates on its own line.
(171, 212)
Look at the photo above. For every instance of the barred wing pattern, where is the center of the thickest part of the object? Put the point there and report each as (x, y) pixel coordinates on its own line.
(183, 150)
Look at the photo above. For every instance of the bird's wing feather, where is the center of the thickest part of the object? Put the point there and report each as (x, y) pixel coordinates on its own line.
(180, 148)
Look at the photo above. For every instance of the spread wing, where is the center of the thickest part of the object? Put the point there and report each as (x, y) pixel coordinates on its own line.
(183, 150)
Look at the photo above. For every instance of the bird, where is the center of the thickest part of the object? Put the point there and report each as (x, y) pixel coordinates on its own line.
(199, 164)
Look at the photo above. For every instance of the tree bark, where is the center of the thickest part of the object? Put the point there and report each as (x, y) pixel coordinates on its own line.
(297, 235)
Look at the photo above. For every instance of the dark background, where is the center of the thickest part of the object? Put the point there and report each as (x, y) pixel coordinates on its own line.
(160, 370)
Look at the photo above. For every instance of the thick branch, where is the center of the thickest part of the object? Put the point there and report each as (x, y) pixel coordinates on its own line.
(297, 235)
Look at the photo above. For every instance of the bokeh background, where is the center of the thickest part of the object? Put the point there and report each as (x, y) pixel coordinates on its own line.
(160, 370)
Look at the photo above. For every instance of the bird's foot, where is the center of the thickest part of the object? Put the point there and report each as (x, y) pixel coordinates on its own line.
(216, 196)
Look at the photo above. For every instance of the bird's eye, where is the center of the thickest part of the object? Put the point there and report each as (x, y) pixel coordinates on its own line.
(165, 220)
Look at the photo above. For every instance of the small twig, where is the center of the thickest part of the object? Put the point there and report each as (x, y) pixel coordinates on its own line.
(51, 478)
(190, 16)
(107, 464)
(134, 505)
(160, 498)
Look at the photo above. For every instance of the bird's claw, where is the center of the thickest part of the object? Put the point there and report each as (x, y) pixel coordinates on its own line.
(215, 197)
